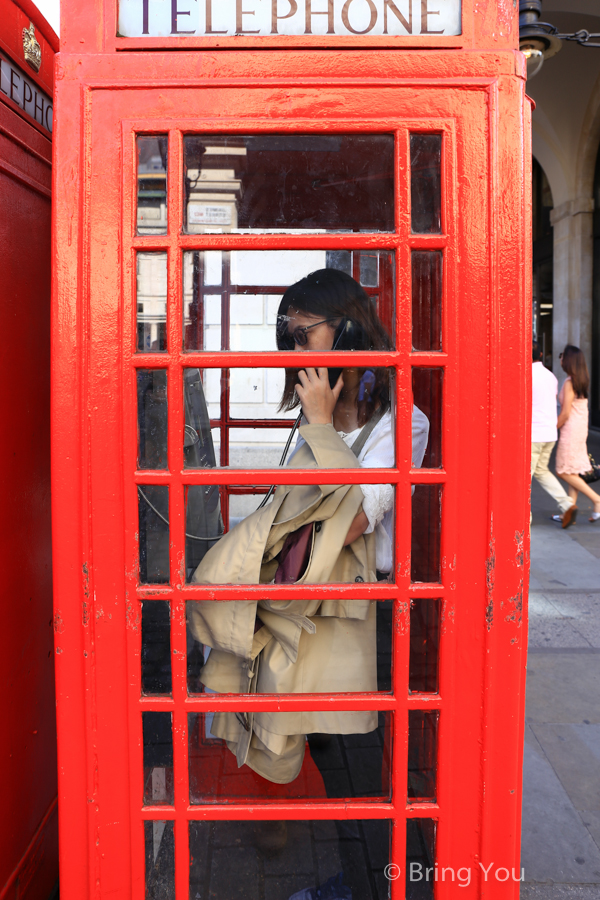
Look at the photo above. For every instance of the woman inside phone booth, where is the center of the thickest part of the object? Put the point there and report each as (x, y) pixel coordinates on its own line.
(309, 534)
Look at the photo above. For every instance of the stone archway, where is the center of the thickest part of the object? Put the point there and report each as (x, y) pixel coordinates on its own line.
(543, 261)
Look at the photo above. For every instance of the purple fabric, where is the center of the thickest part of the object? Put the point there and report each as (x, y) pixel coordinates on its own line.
(294, 555)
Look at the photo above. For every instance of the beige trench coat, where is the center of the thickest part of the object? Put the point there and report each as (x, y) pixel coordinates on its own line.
(304, 646)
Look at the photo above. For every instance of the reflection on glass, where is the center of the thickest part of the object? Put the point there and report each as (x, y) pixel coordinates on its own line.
(289, 182)
(258, 448)
(369, 274)
(281, 860)
(151, 302)
(242, 504)
(422, 753)
(427, 385)
(424, 645)
(203, 523)
(196, 654)
(198, 447)
(158, 758)
(426, 183)
(231, 298)
(152, 419)
(152, 183)
(426, 533)
(331, 766)
(420, 859)
(385, 645)
(427, 291)
(153, 505)
(156, 647)
(160, 860)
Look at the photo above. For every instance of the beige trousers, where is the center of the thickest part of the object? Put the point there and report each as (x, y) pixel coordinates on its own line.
(540, 456)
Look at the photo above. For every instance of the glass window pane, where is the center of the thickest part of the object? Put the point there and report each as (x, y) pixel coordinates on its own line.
(427, 291)
(258, 448)
(231, 299)
(153, 505)
(422, 754)
(151, 302)
(153, 425)
(152, 183)
(294, 860)
(427, 395)
(368, 642)
(156, 647)
(344, 755)
(234, 419)
(295, 551)
(204, 525)
(385, 643)
(158, 758)
(424, 645)
(289, 182)
(426, 183)
(160, 860)
(198, 445)
(426, 533)
(420, 859)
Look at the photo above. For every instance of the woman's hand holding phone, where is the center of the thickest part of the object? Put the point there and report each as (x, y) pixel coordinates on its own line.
(317, 397)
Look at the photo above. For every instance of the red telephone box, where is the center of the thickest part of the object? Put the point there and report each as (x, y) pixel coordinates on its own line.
(209, 157)
(29, 828)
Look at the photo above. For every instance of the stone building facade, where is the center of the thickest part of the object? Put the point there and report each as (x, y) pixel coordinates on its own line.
(566, 142)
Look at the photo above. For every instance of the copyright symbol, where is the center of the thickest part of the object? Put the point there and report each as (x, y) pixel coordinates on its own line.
(392, 872)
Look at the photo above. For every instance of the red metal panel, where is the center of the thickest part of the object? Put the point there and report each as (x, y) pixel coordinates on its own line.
(477, 101)
(29, 858)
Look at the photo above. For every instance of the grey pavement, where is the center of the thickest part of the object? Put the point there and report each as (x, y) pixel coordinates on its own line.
(561, 769)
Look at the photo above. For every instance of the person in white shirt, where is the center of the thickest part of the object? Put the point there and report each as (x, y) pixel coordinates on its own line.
(544, 435)
(329, 310)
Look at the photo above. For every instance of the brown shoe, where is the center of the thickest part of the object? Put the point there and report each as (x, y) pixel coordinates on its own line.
(569, 516)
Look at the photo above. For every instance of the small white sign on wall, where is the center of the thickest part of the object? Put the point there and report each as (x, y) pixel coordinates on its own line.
(272, 18)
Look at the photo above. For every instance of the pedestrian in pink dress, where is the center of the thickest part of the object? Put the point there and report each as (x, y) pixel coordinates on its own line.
(571, 454)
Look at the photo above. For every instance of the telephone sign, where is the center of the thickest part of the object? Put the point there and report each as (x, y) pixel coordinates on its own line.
(338, 18)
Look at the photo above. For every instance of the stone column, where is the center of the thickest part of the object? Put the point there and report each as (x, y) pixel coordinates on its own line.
(573, 246)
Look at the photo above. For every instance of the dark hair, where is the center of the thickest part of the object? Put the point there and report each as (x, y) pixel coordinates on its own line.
(332, 294)
(537, 352)
(574, 364)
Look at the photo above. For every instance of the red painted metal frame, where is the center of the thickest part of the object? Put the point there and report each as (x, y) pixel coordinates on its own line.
(477, 100)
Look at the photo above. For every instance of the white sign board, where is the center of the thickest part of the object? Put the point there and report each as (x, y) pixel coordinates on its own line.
(15, 84)
(271, 18)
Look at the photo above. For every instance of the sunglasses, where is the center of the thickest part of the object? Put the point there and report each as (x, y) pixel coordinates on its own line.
(286, 340)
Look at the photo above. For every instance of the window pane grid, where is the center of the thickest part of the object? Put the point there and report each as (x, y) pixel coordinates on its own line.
(175, 359)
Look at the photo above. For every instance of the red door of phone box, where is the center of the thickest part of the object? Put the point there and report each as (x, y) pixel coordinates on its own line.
(198, 176)
(29, 828)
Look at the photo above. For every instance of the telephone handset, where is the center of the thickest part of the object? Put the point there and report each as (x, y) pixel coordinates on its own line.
(349, 336)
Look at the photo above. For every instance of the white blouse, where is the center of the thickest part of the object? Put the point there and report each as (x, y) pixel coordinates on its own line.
(378, 452)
